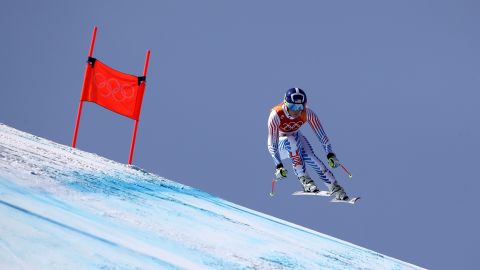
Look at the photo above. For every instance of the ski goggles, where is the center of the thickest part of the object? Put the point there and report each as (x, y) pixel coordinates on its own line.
(294, 107)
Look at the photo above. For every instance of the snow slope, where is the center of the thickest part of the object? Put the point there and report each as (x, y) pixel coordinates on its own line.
(63, 208)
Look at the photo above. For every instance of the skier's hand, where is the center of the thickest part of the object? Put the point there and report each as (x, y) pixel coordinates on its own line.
(332, 160)
(281, 172)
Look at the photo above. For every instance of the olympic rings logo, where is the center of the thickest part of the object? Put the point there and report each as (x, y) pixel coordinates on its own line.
(113, 88)
(292, 126)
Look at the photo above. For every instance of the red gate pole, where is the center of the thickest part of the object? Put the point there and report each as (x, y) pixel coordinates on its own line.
(80, 105)
(134, 136)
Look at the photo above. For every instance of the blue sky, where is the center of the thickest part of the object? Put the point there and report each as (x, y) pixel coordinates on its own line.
(394, 83)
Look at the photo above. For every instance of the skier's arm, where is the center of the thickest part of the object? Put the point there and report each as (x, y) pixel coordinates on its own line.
(273, 124)
(315, 124)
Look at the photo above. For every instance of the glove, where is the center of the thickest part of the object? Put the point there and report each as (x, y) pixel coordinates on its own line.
(281, 172)
(332, 160)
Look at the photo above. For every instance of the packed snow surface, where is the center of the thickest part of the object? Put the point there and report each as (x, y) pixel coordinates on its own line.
(63, 208)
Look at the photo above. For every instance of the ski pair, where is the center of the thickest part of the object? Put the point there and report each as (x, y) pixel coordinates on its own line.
(324, 193)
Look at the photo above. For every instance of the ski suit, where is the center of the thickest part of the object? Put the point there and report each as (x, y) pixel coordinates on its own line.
(286, 141)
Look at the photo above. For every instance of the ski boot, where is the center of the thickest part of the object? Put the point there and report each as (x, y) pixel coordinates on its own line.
(308, 184)
(338, 191)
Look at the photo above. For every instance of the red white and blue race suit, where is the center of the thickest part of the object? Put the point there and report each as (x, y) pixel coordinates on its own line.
(286, 141)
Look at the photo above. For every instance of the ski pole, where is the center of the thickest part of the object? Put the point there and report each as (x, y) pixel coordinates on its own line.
(273, 187)
(345, 169)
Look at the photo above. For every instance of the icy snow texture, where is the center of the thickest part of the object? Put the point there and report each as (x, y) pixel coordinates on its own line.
(63, 208)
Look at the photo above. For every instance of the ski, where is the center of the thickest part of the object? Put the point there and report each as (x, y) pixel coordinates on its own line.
(351, 200)
(318, 193)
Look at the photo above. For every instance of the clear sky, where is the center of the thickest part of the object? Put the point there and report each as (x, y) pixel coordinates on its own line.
(395, 84)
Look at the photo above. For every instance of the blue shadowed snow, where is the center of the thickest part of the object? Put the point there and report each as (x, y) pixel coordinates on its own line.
(62, 208)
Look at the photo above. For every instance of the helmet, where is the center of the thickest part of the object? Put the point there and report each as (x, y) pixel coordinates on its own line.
(296, 96)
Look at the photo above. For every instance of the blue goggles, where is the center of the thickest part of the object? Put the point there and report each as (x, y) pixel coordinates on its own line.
(294, 107)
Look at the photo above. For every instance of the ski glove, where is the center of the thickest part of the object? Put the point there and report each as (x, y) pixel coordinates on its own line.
(281, 172)
(332, 160)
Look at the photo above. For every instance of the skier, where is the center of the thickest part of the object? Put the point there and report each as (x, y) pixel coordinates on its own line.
(286, 141)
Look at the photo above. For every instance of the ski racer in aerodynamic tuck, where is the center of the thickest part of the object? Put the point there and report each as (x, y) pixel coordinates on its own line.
(286, 141)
